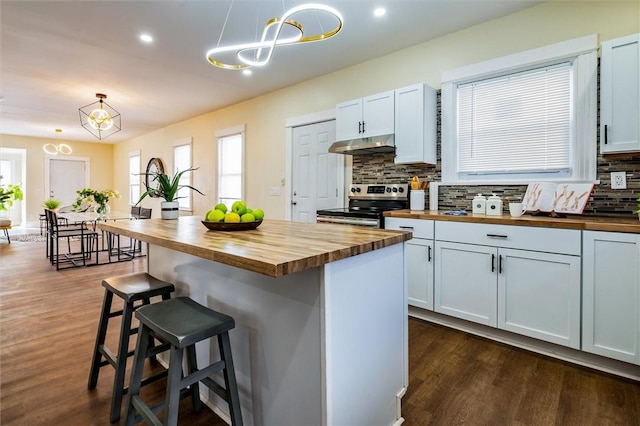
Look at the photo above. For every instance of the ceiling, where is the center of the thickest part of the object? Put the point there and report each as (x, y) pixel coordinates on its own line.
(56, 55)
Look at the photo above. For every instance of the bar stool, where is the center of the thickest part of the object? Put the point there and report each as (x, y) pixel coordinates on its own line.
(182, 323)
(131, 289)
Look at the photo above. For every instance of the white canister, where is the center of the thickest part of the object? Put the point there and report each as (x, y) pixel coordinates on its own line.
(479, 204)
(494, 206)
(416, 200)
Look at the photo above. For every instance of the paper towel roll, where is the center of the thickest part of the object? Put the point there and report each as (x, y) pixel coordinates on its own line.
(433, 196)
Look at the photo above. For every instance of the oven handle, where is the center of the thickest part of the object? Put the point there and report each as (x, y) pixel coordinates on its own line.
(346, 221)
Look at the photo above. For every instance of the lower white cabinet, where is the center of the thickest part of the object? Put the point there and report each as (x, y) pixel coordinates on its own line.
(465, 282)
(533, 293)
(611, 295)
(539, 295)
(419, 259)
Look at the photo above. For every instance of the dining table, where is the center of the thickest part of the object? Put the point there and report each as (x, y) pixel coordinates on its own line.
(110, 244)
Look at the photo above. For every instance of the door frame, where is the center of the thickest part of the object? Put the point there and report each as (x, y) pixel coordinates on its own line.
(344, 173)
(47, 169)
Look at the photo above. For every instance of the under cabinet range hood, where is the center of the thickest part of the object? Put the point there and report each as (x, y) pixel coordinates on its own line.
(371, 145)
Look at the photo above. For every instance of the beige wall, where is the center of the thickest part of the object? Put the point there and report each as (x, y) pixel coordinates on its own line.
(265, 116)
(100, 156)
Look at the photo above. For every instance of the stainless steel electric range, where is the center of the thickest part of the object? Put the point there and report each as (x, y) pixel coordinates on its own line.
(367, 204)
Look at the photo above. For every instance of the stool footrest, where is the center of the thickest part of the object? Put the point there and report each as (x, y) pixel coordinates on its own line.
(219, 390)
(144, 411)
(200, 375)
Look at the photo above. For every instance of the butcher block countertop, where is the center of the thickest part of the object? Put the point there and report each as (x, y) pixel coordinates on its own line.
(587, 223)
(275, 249)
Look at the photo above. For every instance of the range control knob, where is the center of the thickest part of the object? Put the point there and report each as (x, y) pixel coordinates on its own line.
(353, 190)
(401, 190)
(357, 189)
(395, 189)
(388, 189)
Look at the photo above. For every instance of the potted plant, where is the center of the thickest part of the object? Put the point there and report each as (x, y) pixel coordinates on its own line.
(8, 195)
(52, 204)
(638, 205)
(167, 188)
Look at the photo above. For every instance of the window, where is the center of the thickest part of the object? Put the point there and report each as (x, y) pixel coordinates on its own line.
(134, 177)
(522, 117)
(231, 166)
(182, 161)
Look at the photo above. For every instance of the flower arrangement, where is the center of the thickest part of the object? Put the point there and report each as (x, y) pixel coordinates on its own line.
(98, 199)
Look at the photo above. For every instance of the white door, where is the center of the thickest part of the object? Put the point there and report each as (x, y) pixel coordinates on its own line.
(315, 171)
(65, 177)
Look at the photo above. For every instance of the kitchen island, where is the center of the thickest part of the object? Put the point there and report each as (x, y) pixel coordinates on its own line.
(320, 311)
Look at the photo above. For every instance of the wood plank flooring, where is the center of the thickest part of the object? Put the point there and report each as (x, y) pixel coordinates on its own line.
(48, 321)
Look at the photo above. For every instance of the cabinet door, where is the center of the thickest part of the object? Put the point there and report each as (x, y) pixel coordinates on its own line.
(420, 273)
(378, 114)
(539, 295)
(611, 295)
(415, 121)
(349, 120)
(620, 95)
(465, 282)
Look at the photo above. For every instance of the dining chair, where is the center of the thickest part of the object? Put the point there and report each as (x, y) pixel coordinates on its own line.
(88, 240)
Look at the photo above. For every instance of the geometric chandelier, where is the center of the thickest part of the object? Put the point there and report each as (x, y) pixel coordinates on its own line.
(99, 118)
(259, 53)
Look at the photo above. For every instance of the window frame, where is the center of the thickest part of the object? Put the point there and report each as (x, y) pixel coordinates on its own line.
(220, 136)
(130, 156)
(582, 53)
(186, 202)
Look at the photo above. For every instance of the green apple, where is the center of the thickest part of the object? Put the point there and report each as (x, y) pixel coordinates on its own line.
(258, 214)
(239, 207)
(247, 217)
(222, 207)
(231, 218)
(215, 215)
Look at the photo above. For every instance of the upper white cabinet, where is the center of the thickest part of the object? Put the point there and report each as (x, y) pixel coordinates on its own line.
(620, 95)
(415, 124)
(365, 117)
(611, 295)
(418, 259)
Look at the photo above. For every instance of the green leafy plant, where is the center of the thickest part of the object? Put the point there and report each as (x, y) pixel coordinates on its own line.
(167, 188)
(52, 203)
(638, 200)
(10, 194)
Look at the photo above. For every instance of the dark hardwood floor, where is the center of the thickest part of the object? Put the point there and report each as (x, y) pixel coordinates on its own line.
(48, 321)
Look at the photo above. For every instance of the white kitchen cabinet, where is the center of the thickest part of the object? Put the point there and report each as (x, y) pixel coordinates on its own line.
(620, 95)
(419, 259)
(539, 295)
(465, 283)
(365, 117)
(521, 279)
(415, 124)
(611, 295)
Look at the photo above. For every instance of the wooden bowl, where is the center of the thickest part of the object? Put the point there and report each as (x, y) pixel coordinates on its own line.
(223, 226)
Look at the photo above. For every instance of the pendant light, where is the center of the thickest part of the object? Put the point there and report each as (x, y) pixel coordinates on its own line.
(99, 118)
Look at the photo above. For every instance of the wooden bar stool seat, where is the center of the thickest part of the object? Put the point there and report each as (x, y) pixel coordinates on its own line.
(132, 288)
(181, 322)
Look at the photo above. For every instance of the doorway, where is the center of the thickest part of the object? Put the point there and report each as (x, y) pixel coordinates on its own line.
(65, 176)
(13, 169)
(317, 176)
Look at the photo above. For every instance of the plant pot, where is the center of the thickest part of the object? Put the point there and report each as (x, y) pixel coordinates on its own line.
(169, 210)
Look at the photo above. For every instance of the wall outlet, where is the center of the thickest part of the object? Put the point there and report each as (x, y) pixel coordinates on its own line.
(618, 180)
(275, 191)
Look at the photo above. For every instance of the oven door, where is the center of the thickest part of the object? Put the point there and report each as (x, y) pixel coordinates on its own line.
(343, 220)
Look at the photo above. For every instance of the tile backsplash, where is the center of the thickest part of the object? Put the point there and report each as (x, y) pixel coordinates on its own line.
(604, 201)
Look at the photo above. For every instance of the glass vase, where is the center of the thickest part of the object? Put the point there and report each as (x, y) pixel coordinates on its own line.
(102, 210)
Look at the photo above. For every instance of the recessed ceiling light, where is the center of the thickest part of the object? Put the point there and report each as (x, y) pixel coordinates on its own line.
(380, 11)
(146, 38)
(246, 72)
(58, 130)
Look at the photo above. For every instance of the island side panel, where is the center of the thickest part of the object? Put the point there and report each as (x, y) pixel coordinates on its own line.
(365, 338)
(276, 342)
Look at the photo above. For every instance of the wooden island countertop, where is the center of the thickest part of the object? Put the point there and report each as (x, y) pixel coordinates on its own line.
(587, 223)
(275, 249)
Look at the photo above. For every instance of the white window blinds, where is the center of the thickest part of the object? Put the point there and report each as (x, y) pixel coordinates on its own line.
(517, 123)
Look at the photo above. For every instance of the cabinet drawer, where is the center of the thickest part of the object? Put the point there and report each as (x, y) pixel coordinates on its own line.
(550, 240)
(420, 228)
